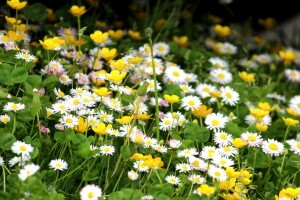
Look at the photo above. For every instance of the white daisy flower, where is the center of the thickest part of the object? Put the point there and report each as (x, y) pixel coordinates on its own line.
(183, 167)
(174, 75)
(161, 49)
(263, 59)
(174, 180)
(190, 102)
(216, 121)
(187, 152)
(174, 144)
(248, 63)
(61, 107)
(113, 104)
(208, 152)
(218, 63)
(222, 138)
(107, 150)
(229, 96)
(140, 166)
(196, 179)
(92, 148)
(27, 171)
(220, 76)
(149, 142)
(198, 163)
(105, 117)
(11, 106)
(294, 146)
(227, 151)
(20, 160)
(222, 161)
(294, 104)
(151, 87)
(20, 147)
(160, 148)
(65, 79)
(1, 161)
(25, 56)
(252, 139)
(227, 48)
(272, 147)
(217, 173)
(4, 118)
(132, 175)
(69, 120)
(58, 164)
(187, 89)
(191, 77)
(167, 124)
(90, 192)
(147, 197)
(204, 90)
(292, 75)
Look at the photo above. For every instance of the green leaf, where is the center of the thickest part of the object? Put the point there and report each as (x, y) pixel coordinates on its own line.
(5, 70)
(6, 140)
(35, 12)
(84, 150)
(127, 99)
(194, 197)
(19, 75)
(126, 194)
(173, 89)
(158, 189)
(162, 197)
(50, 81)
(195, 132)
(261, 161)
(90, 175)
(60, 137)
(125, 152)
(35, 81)
(234, 129)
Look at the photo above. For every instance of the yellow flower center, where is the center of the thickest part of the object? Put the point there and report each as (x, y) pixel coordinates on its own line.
(167, 122)
(161, 48)
(223, 162)
(26, 56)
(62, 107)
(218, 174)
(273, 146)
(58, 165)
(298, 105)
(90, 195)
(75, 101)
(69, 121)
(223, 137)
(106, 149)
(221, 76)
(14, 106)
(5, 119)
(185, 167)
(206, 89)
(63, 78)
(176, 74)
(293, 74)
(22, 148)
(215, 122)
(251, 137)
(298, 145)
(226, 149)
(191, 103)
(228, 95)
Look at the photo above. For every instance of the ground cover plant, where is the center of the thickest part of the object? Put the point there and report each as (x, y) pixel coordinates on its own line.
(151, 107)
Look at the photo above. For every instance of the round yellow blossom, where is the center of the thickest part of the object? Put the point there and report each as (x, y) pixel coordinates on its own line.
(238, 143)
(99, 37)
(205, 189)
(16, 4)
(103, 91)
(49, 44)
(119, 64)
(290, 121)
(247, 77)
(228, 184)
(265, 106)
(171, 98)
(135, 35)
(155, 163)
(12, 20)
(125, 120)
(77, 11)
(116, 76)
(182, 41)
(101, 128)
(108, 54)
(82, 125)
(222, 31)
(116, 35)
(261, 127)
(202, 111)
(288, 56)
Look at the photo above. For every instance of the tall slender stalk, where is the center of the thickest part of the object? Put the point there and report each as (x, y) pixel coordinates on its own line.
(149, 35)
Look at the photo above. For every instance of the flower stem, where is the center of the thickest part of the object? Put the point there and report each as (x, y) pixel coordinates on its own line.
(79, 35)
(286, 132)
(14, 125)
(4, 179)
(155, 92)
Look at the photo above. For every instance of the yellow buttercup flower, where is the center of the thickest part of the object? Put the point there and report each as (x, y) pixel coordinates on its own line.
(142, 116)
(116, 35)
(155, 163)
(99, 37)
(16, 4)
(125, 120)
(203, 111)
(101, 128)
(136, 35)
(261, 127)
(171, 98)
(290, 121)
(115, 76)
(14, 36)
(77, 11)
(182, 41)
(108, 54)
(247, 77)
(228, 184)
(12, 20)
(82, 125)
(135, 60)
(238, 143)
(222, 31)
(49, 44)
(119, 64)
(103, 91)
(205, 189)
(288, 56)
(258, 113)
(265, 106)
